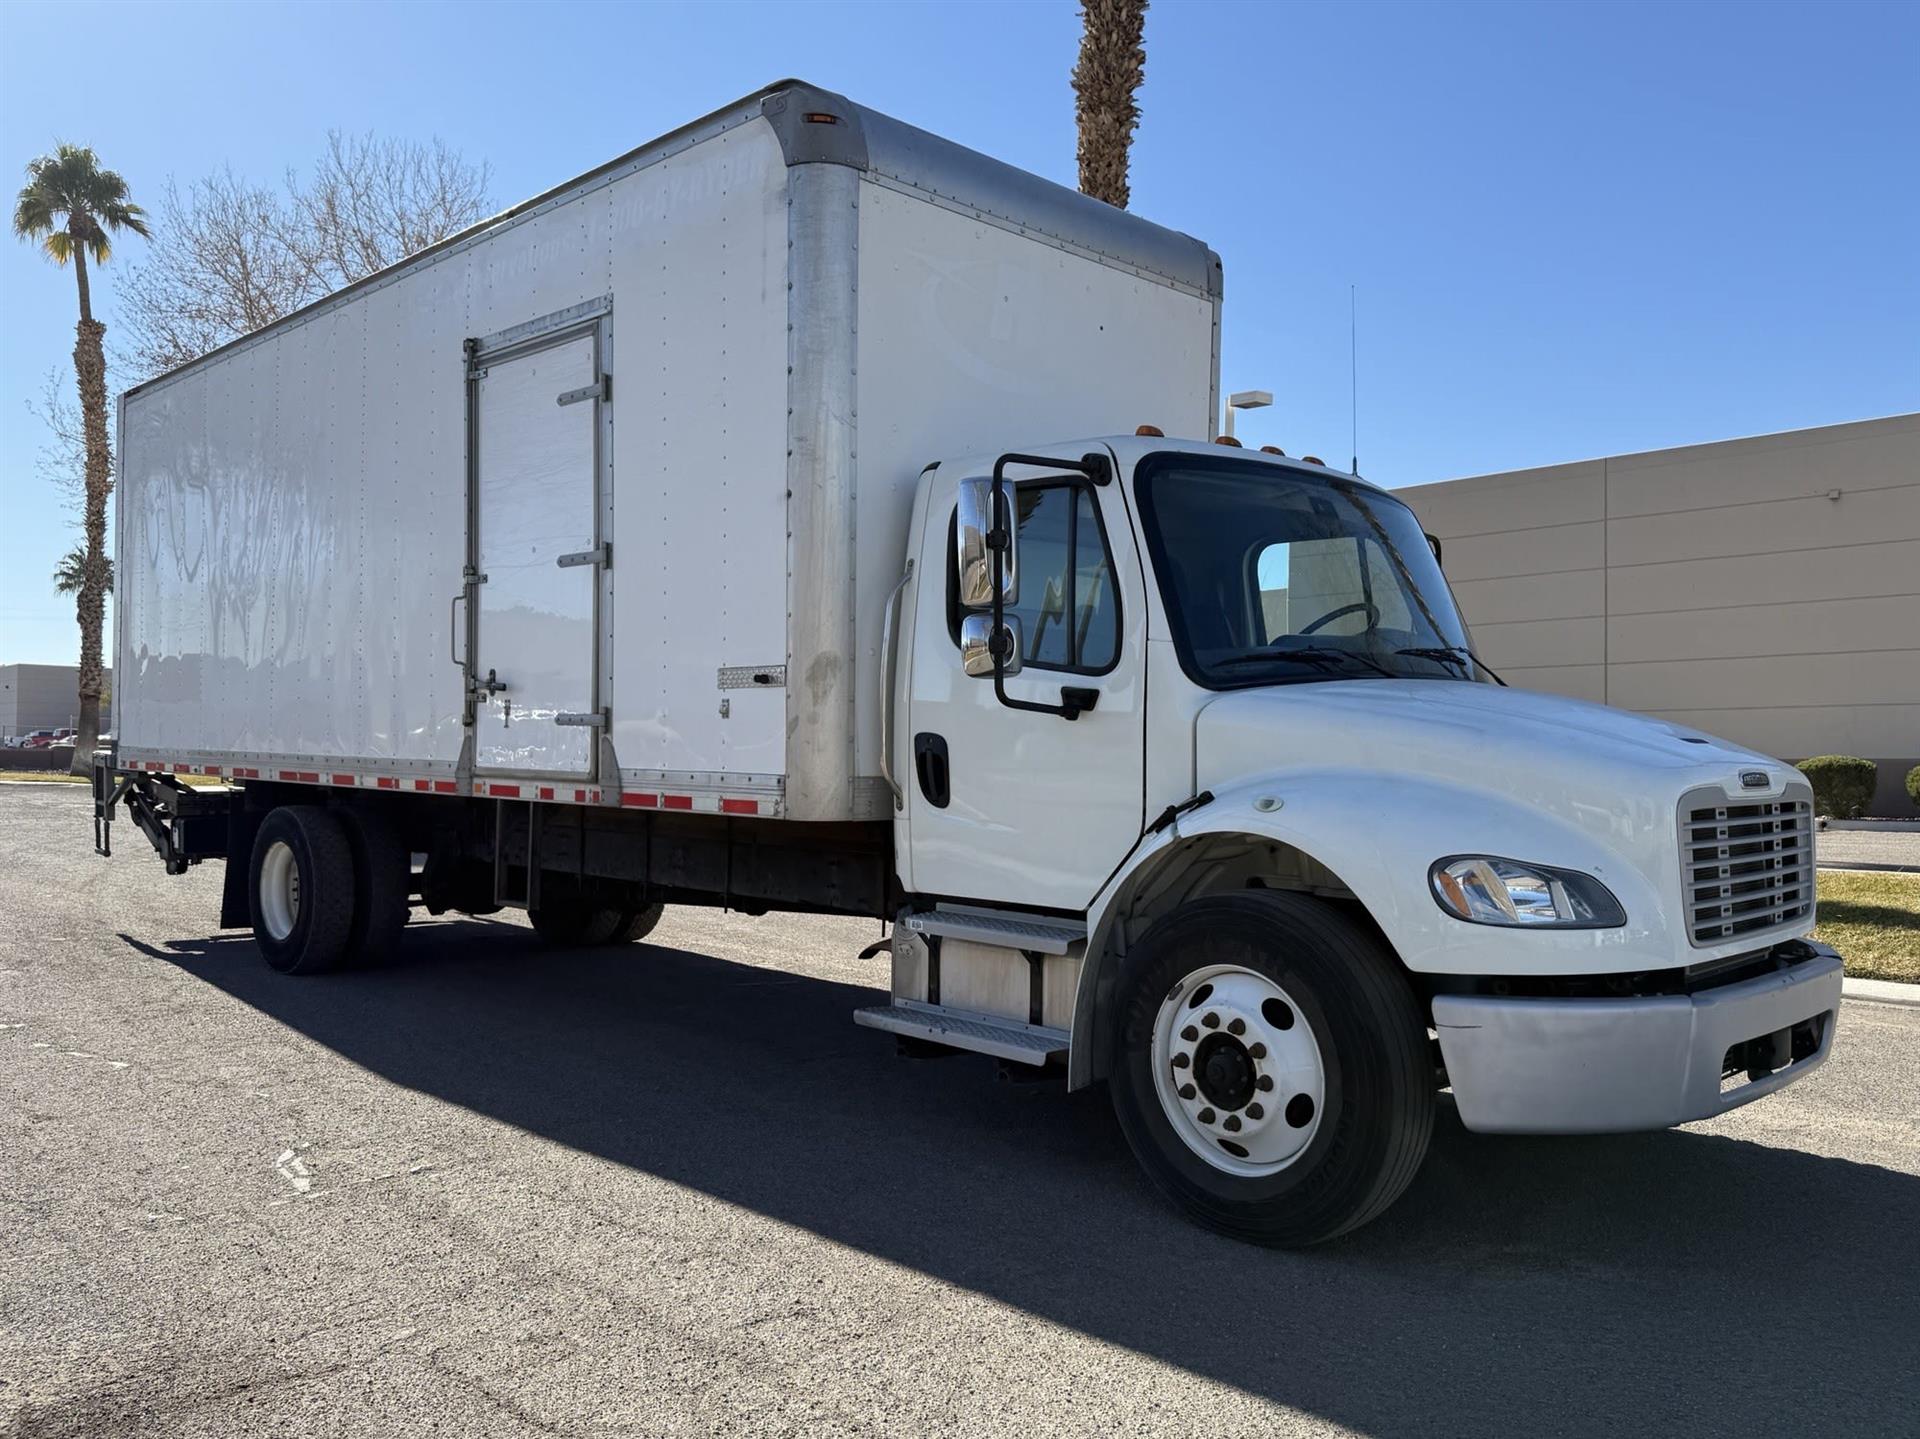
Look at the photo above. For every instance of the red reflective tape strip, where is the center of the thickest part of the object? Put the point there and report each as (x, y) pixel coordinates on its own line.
(343, 779)
(546, 791)
(579, 796)
(446, 786)
(246, 774)
(739, 806)
(634, 800)
(300, 776)
(423, 784)
(183, 769)
(504, 791)
(386, 782)
(677, 801)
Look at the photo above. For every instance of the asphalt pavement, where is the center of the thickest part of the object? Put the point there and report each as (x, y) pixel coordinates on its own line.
(672, 1189)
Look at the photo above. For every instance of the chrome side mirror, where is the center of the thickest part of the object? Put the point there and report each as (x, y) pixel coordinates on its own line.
(976, 645)
(974, 533)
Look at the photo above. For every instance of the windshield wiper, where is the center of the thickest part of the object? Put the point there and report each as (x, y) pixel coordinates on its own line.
(1322, 655)
(1452, 654)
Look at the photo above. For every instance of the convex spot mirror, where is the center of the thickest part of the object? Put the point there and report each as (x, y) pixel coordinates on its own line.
(973, 535)
(976, 645)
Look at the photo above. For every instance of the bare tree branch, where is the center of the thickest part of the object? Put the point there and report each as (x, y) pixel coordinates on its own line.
(62, 456)
(230, 256)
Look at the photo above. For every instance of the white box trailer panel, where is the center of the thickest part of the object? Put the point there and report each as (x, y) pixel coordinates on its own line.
(611, 490)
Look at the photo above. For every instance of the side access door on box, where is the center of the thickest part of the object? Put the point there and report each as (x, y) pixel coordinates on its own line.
(539, 558)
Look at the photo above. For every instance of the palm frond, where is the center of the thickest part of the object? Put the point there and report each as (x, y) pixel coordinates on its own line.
(69, 199)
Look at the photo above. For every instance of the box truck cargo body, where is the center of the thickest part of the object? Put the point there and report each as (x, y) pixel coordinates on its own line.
(637, 458)
(783, 517)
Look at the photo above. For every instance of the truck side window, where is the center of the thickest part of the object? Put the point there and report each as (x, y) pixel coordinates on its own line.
(1069, 610)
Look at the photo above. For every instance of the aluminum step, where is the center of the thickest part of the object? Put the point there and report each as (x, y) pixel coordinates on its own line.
(1002, 1038)
(1043, 936)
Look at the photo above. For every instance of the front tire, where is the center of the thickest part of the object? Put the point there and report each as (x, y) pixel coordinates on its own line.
(1271, 1068)
(301, 889)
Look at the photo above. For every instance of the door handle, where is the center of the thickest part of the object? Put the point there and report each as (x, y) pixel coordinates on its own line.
(931, 769)
(491, 685)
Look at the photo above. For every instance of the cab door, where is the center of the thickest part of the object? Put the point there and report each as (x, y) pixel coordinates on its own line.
(1007, 805)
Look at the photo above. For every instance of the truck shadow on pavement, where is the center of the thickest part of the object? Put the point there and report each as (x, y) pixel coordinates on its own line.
(1675, 1280)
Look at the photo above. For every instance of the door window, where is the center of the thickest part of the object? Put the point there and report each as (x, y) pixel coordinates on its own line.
(1069, 609)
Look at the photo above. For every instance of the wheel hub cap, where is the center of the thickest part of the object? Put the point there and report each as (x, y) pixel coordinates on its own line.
(1238, 1070)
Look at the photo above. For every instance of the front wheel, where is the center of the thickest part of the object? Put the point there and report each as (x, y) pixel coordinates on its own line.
(1271, 1068)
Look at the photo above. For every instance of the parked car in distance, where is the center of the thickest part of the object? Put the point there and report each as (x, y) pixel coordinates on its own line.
(38, 739)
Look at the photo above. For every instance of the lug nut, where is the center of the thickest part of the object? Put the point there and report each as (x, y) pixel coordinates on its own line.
(1236, 1026)
(1180, 1061)
(1256, 1110)
(1211, 1020)
(1189, 1034)
(1265, 1081)
(1257, 1050)
(1187, 1091)
(1233, 1122)
(1206, 1116)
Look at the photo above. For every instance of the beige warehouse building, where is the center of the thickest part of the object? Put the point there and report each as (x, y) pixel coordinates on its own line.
(1765, 589)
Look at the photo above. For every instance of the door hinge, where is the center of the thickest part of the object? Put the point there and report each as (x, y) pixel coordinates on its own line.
(601, 555)
(600, 389)
(591, 719)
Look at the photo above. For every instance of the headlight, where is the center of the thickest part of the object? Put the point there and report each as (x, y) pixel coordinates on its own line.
(1483, 890)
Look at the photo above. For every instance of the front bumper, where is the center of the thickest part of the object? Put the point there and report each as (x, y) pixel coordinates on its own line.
(1596, 1066)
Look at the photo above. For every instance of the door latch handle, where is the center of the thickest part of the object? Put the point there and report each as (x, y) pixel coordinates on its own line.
(491, 685)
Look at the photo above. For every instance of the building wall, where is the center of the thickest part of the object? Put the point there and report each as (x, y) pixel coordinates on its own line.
(1766, 589)
(45, 697)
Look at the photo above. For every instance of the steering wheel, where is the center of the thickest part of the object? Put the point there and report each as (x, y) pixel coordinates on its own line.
(1366, 607)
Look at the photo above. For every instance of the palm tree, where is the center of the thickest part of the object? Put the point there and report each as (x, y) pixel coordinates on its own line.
(71, 573)
(72, 207)
(1112, 64)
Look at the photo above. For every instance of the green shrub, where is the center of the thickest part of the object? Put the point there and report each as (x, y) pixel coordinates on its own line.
(1842, 783)
(1913, 784)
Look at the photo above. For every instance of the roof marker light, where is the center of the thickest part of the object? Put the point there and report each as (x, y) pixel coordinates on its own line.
(820, 117)
(1313, 460)
(1151, 432)
(1227, 440)
(1273, 450)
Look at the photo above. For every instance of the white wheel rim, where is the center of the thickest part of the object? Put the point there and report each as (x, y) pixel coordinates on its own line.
(279, 890)
(1238, 1070)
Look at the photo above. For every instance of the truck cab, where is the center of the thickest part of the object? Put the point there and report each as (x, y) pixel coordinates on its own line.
(1201, 790)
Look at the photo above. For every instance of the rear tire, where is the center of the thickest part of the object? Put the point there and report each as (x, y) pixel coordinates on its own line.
(637, 924)
(301, 888)
(574, 925)
(383, 875)
(1304, 1108)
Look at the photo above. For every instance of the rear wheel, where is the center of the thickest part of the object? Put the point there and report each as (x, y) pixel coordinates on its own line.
(573, 924)
(301, 889)
(383, 875)
(637, 924)
(1271, 1068)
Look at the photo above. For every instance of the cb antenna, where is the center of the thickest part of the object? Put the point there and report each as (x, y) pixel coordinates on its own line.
(1353, 373)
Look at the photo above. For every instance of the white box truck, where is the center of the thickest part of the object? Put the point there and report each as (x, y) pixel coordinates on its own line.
(780, 518)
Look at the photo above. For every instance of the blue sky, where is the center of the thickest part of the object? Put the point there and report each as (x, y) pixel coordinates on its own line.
(1575, 229)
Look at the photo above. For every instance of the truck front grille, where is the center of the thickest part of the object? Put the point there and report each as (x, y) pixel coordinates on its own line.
(1745, 865)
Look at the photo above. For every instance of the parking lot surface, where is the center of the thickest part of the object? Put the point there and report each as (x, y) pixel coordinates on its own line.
(672, 1189)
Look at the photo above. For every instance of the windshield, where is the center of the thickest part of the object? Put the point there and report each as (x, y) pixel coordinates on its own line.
(1271, 577)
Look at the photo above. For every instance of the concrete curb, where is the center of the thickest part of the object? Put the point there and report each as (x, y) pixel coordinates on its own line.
(1867, 866)
(1880, 991)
